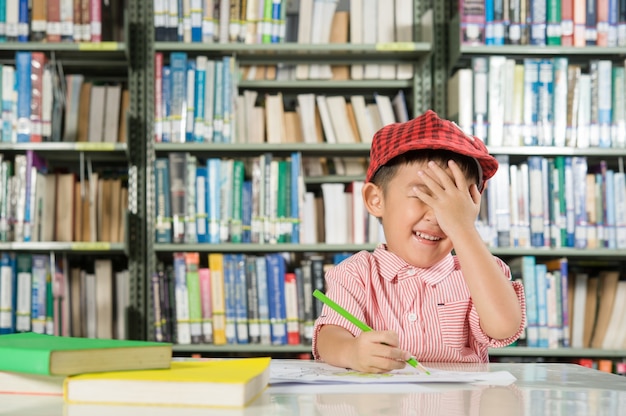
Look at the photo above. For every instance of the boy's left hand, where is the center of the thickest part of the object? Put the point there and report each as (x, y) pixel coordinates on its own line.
(455, 202)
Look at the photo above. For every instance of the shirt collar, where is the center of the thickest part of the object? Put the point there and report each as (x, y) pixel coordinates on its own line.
(389, 266)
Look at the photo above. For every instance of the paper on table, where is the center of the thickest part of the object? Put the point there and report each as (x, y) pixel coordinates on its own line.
(299, 371)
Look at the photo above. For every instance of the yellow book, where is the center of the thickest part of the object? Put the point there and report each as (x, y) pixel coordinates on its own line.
(220, 383)
(218, 302)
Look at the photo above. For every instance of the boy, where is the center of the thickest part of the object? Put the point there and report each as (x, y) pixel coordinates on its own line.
(424, 183)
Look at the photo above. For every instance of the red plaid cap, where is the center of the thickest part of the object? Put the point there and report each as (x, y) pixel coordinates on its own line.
(428, 131)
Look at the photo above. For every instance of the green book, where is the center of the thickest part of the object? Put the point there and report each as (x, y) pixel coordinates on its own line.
(33, 353)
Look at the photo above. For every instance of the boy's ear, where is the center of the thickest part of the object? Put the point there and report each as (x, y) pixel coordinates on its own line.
(373, 199)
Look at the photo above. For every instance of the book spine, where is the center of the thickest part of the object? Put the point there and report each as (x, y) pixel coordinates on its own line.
(39, 298)
(567, 22)
(190, 100)
(158, 97)
(157, 311)
(291, 309)
(264, 311)
(192, 278)
(24, 87)
(201, 204)
(241, 299)
(579, 172)
(204, 274)
(230, 298)
(252, 289)
(183, 327)
(23, 290)
(553, 22)
(472, 15)
(276, 290)
(191, 233)
(163, 226)
(218, 301)
(7, 290)
(213, 195)
(199, 95)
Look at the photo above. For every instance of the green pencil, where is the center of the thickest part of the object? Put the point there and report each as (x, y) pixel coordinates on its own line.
(361, 325)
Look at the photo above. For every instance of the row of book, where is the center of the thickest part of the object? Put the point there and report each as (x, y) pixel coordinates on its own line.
(545, 102)
(48, 294)
(258, 200)
(577, 23)
(196, 100)
(223, 21)
(570, 304)
(238, 298)
(39, 104)
(62, 20)
(573, 203)
(39, 205)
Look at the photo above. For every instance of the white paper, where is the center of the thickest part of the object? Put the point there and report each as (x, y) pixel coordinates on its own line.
(311, 372)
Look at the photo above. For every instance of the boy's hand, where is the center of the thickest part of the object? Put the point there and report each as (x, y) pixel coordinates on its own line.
(378, 352)
(455, 203)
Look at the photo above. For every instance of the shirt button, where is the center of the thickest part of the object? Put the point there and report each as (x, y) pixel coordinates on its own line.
(411, 272)
(412, 317)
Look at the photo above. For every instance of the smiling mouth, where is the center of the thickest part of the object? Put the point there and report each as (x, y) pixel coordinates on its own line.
(427, 237)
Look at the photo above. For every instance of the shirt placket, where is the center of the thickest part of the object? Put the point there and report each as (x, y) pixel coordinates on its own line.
(412, 289)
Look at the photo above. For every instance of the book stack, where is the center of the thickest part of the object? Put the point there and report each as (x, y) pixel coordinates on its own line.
(117, 372)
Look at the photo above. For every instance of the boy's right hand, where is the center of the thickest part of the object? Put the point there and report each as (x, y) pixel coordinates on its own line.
(378, 352)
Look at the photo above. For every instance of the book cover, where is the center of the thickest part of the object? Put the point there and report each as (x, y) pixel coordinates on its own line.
(33, 353)
(226, 383)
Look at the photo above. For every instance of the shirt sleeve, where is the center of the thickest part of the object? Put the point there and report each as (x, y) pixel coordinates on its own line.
(474, 321)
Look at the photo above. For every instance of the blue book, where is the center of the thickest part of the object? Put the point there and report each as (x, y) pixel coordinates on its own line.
(276, 291)
(7, 293)
(3, 20)
(190, 100)
(241, 299)
(489, 23)
(23, 86)
(276, 21)
(166, 96)
(163, 213)
(296, 195)
(40, 272)
(218, 103)
(605, 105)
(201, 205)
(230, 298)
(23, 21)
(196, 21)
(570, 219)
(263, 296)
(199, 95)
(178, 85)
(538, 22)
(227, 98)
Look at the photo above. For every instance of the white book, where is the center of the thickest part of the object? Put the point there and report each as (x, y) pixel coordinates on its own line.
(309, 223)
(323, 11)
(112, 114)
(399, 107)
(306, 110)
(386, 33)
(385, 108)
(359, 214)
(404, 28)
(560, 101)
(619, 188)
(356, 34)
(461, 99)
(335, 213)
(583, 133)
(275, 118)
(495, 100)
(370, 35)
(363, 120)
(339, 119)
(122, 303)
(305, 31)
(508, 86)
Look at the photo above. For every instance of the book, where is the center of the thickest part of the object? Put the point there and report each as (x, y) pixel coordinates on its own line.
(220, 383)
(19, 383)
(33, 353)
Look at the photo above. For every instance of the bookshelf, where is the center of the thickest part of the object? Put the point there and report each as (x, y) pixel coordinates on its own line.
(417, 90)
(457, 56)
(109, 61)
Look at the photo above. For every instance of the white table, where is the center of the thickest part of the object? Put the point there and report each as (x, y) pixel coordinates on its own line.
(540, 389)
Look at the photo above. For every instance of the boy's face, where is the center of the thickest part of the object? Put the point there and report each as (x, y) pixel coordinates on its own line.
(410, 226)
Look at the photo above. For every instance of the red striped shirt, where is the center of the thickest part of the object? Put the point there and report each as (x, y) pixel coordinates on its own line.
(430, 309)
